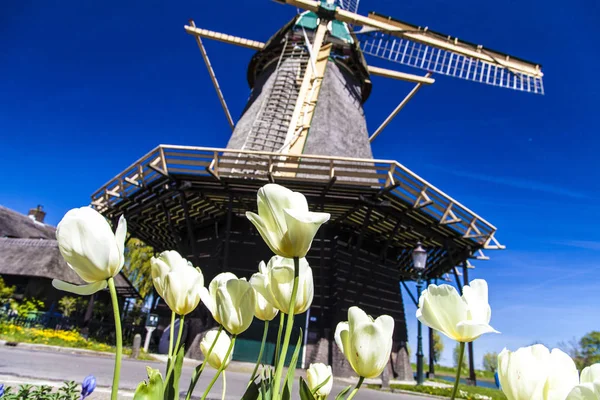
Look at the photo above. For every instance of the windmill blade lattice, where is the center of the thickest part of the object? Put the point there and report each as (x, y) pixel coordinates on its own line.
(446, 62)
(348, 5)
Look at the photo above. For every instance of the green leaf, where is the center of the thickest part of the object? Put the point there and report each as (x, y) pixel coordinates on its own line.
(151, 390)
(289, 379)
(305, 393)
(252, 392)
(172, 386)
(320, 385)
(342, 393)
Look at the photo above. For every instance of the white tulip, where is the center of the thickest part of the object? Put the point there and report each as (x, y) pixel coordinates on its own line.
(367, 344)
(90, 248)
(181, 291)
(275, 282)
(464, 318)
(535, 373)
(284, 221)
(316, 374)
(236, 301)
(209, 296)
(589, 385)
(219, 351)
(162, 265)
(264, 310)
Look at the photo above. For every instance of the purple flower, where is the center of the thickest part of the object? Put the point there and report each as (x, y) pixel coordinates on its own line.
(1, 389)
(88, 386)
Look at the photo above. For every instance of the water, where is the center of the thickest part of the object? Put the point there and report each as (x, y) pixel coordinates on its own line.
(480, 383)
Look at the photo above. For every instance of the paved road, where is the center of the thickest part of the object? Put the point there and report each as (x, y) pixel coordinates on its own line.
(44, 365)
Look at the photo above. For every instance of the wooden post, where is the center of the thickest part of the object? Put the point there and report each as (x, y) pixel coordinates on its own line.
(227, 233)
(190, 227)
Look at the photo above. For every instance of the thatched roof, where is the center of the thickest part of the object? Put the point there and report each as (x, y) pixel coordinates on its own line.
(29, 248)
(16, 225)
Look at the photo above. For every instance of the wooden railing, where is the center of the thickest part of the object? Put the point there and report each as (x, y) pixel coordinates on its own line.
(385, 175)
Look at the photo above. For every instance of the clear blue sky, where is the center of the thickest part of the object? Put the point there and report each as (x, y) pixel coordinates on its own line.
(88, 87)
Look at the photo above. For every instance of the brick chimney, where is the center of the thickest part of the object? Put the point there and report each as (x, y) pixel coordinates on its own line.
(37, 213)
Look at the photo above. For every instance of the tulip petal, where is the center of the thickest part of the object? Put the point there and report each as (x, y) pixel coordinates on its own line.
(356, 318)
(208, 301)
(523, 373)
(442, 308)
(476, 296)
(584, 391)
(121, 233)
(370, 350)
(265, 233)
(82, 290)
(341, 327)
(467, 331)
(562, 376)
(591, 374)
(301, 230)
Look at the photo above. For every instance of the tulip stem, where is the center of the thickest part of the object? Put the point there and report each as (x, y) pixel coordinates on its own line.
(195, 378)
(278, 345)
(119, 339)
(355, 390)
(221, 368)
(172, 327)
(260, 354)
(288, 329)
(461, 353)
(224, 385)
(175, 351)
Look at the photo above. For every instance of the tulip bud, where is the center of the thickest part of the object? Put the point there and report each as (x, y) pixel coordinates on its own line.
(284, 221)
(316, 374)
(264, 310)
(90, 248)
(464, 318)
(162, 265)
(88, 386)
(219, 351)
(209, 296)
(236, 301)
(536, 373)
(275, 282)
(182, 288)
(367, 344)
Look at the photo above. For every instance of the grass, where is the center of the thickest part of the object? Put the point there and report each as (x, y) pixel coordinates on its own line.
(51, 337)
(451, 371)
(465, 392)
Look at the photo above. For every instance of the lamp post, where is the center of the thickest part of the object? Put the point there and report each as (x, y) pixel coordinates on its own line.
(419, 258)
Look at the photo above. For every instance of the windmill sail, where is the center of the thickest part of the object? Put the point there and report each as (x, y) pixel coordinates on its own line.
(459, 59)
(349, 5)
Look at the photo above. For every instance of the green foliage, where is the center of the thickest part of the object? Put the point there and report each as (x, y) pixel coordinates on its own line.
(490, 362)
(69, 391)
(438, 347)
(28, 306)
(464, 391)
(137, 265)
(589, 348)
(455, 357)
(6, 292)
(152, 389)
(67, 305)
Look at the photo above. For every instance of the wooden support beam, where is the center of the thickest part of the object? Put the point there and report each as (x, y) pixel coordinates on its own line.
(449, 217)
(399, 107)
(222, 37)
(190, 227)
(213, 77)
(403, 76)
(423, 199)
(412, 297)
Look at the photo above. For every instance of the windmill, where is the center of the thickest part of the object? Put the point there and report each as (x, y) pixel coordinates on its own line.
(304, 127)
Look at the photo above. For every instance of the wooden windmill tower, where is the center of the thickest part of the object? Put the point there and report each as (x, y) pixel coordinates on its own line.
(304, 127)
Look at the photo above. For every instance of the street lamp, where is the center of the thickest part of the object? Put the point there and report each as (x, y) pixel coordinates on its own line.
(419, 258)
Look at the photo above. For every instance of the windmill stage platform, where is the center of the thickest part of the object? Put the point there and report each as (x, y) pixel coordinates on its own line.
(194, 199)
